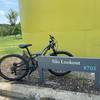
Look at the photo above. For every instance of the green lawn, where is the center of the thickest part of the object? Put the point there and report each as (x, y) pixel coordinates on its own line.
(9, 44)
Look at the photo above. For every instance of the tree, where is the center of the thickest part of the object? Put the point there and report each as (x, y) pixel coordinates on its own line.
(5, 30)
(12, 16)
(15, 29)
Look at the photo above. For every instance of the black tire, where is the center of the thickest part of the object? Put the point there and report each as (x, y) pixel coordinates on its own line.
(57, 73)
(18, 63)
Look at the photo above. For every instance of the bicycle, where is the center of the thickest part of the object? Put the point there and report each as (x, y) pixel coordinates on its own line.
(14, 67)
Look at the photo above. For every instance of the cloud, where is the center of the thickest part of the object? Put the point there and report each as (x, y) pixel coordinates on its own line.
(18, 19)
(3, 19)
(2, 13)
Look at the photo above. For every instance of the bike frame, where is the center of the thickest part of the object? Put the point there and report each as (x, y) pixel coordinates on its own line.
(51, 46)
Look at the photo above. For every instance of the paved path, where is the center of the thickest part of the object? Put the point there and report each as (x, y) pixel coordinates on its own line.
(6, 98)
(20, 90)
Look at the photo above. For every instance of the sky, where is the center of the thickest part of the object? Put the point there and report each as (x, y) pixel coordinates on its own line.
(5, 5)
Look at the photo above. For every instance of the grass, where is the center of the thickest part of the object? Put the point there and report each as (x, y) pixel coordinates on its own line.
(9, 44)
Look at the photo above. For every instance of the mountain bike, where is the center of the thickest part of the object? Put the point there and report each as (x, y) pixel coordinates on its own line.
(14, 67)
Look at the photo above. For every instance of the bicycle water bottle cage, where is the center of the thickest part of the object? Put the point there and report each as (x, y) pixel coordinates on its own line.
(24, 45)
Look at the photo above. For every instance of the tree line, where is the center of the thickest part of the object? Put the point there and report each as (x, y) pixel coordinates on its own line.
(12, 28)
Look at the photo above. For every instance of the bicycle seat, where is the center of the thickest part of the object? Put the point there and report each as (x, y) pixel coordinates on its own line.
(24, 45)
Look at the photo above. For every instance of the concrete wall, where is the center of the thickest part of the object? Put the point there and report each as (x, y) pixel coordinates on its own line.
(75, 23)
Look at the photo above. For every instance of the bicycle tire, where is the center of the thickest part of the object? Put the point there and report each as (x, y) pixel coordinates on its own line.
(19, 77)
(60, 73)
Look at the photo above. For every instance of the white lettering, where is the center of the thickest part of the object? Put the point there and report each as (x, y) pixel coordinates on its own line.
(55, 61)
(70, 62)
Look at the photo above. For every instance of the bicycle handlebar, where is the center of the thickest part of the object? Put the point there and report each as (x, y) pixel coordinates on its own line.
(51, 37)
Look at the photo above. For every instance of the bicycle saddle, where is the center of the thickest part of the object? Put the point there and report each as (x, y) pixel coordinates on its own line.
(24, 45)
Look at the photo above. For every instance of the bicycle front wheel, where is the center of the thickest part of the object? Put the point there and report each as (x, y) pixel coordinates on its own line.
(13, 67)
(60, 72)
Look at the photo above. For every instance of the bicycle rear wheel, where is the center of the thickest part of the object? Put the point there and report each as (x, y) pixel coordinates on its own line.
(13, 67)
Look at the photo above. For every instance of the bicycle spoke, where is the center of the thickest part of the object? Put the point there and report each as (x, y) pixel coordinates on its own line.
(13, 67)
